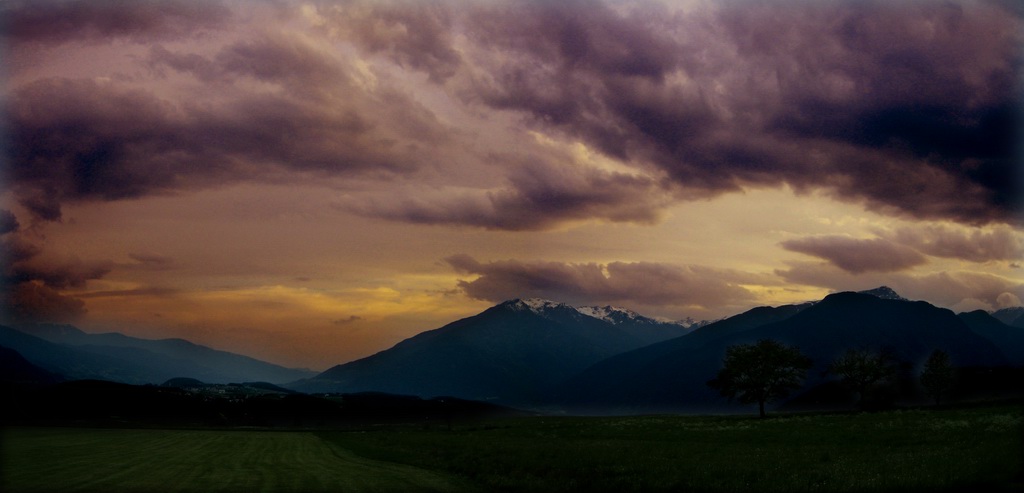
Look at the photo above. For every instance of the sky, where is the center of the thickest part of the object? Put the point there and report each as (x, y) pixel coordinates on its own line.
(309, 183)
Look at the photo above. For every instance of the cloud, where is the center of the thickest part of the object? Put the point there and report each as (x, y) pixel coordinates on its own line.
(908, 246)
(291, 61)
(73, 140)
(948, 289)
(57, 273)
(32, 280)
(857, 256)
(1007, 300)
(975, 245)
(147, 292)
(540, 194)
(152, 261)
(642, 283)
(8, 222)
(63, 21)
(347, 320)
(417, 35)
(908, 108)
(35, 302)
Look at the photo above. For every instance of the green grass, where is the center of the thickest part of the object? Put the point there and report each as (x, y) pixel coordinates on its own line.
(914, 450)
(128, 460)
(909, 450)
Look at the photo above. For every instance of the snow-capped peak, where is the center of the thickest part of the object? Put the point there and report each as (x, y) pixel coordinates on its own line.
(884, 292)
(536, 305)
(610, 313)
(691, 323)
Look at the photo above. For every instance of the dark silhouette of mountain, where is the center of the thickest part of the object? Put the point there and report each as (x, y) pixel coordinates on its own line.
(183, 383)
(672, 375)
(71, 362)
(154, 361)
(268, 386)
(1009, 340)
(1013, 317)
(510, 353)
(136, 361)
(16, 370)
(620, 371)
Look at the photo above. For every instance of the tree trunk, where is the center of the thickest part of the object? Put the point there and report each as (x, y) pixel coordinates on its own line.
(761, 407)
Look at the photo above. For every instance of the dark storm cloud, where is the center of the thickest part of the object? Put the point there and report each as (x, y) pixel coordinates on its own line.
(56, 273)
(540, 194)
(416, 35)
(32, 280)
(34, 302)
(272, 58)
(908, 107)
(858, 256)
(60, 21)
(82, 139)
(585, 283)
(8, 222)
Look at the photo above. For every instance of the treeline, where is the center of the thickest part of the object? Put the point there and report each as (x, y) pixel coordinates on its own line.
(768, 371)
(102, 403)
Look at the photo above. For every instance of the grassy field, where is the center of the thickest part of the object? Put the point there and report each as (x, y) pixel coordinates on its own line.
(893, 451)
(909, 450)
(131, 460)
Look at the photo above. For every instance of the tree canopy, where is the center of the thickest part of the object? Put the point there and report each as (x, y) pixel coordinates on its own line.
(937, 376)
(861, 370)
(761, 372)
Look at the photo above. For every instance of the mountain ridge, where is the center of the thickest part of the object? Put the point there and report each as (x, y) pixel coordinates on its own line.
(544, 354)
(511, 353)
(67, 350)
(878, 318)
(670, 376)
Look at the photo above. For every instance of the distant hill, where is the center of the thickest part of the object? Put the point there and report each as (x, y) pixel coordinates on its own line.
(16, 370)
(672, 375)
(116, 357)
(1013, 317)
(511, 353)
(70, 362)
(1008, 339)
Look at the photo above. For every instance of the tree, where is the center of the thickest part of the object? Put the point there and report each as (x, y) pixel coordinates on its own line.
(937, 376)
(761, 372)
(861, 370)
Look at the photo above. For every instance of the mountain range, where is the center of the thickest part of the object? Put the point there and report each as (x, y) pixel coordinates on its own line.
(546, 355)
(76, 355)
(672, 375)
(512, 353)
